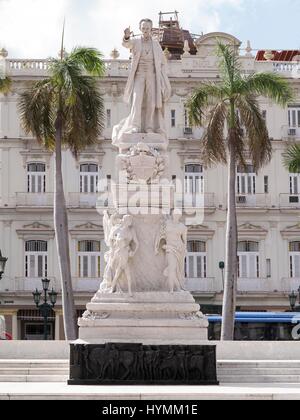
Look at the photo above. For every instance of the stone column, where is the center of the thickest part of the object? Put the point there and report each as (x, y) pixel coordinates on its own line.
(15, 332)
(58, 314)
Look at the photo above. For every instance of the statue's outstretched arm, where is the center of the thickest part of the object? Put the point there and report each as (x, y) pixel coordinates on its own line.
(127, 41)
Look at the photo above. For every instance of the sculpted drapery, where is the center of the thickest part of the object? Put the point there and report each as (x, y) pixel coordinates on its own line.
(148, 87)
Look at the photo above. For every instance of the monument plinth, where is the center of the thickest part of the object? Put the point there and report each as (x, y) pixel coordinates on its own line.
(142, 326)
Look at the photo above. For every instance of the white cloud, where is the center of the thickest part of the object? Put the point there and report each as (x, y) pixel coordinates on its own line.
(32, 28)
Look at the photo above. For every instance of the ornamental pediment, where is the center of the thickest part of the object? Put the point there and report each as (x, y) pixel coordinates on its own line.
(35, 230)
(248, 230)
(200, 232)
(291, 231)
(37, 225)
(87, 226)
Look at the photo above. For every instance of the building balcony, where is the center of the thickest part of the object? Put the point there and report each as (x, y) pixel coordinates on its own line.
(289, 201)
(206, 285)
(28, 284)
(90, 285)
(290, 133)
(252, 201)
(260, 285)
(82, 200)
(30, 200)
(191, 203)
(289, 284)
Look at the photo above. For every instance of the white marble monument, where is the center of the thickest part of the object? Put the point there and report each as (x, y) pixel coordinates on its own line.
(142, 297)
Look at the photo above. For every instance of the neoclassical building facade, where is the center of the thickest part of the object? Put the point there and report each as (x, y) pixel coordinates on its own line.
(268, 202)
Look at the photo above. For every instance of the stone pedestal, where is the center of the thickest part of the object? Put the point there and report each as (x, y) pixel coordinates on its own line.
(147, 318)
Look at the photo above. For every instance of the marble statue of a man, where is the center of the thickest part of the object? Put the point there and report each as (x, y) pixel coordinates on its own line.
(148, 87)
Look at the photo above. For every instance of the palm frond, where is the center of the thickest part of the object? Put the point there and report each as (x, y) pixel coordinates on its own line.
(291, 158)
(84, 118)
(202, 98)
(213, 145)
(5, 84)
(270, 85)
(37, 112)
(229, 64)
(258, 141)
(89, 59)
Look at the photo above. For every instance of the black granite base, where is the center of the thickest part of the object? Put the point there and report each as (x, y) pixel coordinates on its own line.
(136, 364)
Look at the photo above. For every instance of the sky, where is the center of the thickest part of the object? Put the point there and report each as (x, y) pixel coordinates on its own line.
(32, 28)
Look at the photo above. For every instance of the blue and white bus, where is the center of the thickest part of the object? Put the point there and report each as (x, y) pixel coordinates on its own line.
(259, 326)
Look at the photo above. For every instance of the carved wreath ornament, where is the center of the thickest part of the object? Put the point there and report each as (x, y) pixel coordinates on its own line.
(143, 164)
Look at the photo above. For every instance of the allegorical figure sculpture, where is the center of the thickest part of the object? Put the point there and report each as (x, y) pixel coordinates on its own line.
(110, 224)
(148, 87)
(174, 237)
(125, 246)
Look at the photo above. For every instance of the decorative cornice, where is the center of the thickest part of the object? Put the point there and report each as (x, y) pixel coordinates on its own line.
(86, 229)
(34, 154)
(248, 230)
(36, 229)
(200, 232)
(291, 232)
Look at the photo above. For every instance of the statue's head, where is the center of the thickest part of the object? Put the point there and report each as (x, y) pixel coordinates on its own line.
(146, 26)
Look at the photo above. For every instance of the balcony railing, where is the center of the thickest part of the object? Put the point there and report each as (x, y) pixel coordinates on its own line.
(206, 285)
(82, 200)
(28, 284)
(289, 201)
(289, 284)
(252, 201)
(190, 201)
(34, 200)
(255, 285)
(86, 284)
(290, 133)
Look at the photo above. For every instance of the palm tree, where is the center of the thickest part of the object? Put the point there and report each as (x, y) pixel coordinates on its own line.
(5, 84)
(291, 158)
(65, 110)
(235, 124)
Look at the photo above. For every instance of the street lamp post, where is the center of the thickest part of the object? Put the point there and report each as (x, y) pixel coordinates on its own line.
(293, 300)
(45, 307)
(222, 267)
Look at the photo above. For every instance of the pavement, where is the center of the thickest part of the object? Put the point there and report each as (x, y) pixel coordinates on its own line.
(62, 391)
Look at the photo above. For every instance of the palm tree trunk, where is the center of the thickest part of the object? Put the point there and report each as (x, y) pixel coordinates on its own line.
(231, 261)
(62, 241)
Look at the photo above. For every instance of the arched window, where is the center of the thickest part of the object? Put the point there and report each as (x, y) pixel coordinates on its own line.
(294, 254)
(36, 178)
(89, 259)
(246, 180)
(194, 183)
(89, 175)
(248, 259)
(36, 259)
(196, 260)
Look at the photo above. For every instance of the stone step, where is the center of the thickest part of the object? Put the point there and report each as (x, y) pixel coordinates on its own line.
(34, 378)
(31, 364)
(33, 371)
(259, 379)
(258, 364)
(258, 371)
